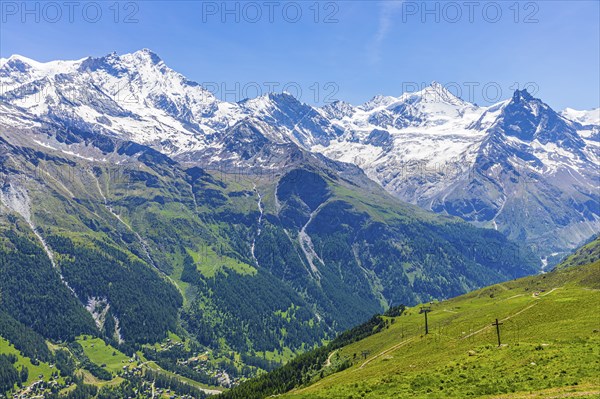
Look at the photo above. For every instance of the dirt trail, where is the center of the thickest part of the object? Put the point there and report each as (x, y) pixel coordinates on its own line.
(511, 316)
(393, 348)
(514, 296)
(551, 291)
(328, 362)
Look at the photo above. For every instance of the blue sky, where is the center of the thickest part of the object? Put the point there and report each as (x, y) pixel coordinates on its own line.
(348, 50)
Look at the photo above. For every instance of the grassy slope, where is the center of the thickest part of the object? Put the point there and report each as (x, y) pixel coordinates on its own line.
(551, 345)
(588, 253)
(103, 355)
(42, 368)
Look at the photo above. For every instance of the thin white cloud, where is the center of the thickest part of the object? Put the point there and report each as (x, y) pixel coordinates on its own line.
(387, 13)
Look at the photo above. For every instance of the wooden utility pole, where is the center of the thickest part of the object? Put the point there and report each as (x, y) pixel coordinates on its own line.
(497, 324)
(426, 309)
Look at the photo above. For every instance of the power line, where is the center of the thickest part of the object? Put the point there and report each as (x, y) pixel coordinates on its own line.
(425, 310)
(497, 324)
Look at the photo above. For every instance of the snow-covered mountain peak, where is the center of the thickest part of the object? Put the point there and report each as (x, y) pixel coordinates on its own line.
(147, 55)
(283, 97)
(269, 101)
(532, 122)
(131, 80)
(143, 65)
(431, 110)
(583, 117)
(290, 119)
(432, 94)
(17, 70)
(144, 61)
(110, 63)
(379, 101)
(522, 96)
(20, 63)
(338, 110)
(523, 102)
(136, 96)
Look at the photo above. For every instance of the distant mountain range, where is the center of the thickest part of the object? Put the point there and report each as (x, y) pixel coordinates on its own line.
(517, 166)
